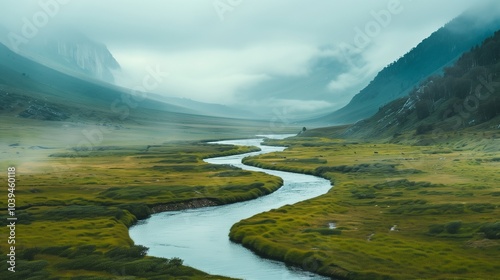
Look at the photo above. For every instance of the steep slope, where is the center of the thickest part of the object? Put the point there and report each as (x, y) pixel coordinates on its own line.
(209, 109)
(466, 97)
(73, 52)
(42, 107)
(38, 81)
(439, 50)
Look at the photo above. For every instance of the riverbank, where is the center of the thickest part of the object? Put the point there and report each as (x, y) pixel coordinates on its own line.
(88, 202)
(399, 211)
(178, 233)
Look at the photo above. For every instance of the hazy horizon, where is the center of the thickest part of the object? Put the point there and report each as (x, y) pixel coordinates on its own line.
(221, 51)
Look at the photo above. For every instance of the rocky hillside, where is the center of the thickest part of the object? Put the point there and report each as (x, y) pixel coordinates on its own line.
(467, 95)
(439, 50)
(73, 52)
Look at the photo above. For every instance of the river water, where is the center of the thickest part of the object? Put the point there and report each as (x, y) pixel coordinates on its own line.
(200, 236)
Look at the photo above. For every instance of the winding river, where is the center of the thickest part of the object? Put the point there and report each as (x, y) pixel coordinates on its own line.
(200, 236)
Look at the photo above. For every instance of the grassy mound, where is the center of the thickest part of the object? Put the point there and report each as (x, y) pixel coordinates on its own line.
(383, 220)
(74, 208)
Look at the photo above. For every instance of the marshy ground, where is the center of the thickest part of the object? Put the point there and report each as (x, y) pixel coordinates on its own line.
(74, 208)
(395, 211)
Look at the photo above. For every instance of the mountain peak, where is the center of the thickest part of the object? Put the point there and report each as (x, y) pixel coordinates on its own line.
(439, 50)
(73, 52)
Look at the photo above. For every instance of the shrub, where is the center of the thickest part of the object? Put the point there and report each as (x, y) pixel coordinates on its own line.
(32, 270)
(324, 231)
(422, 109)
(175, 262)
(140, 211)
(56, 251)
(491, 230)
(453, 227)
(136, 251)
(363, 195)
(433, 209)
(79, 212)
(29, 253)
(436, 229)
(424, 128)
(84, 250)
(481, 207)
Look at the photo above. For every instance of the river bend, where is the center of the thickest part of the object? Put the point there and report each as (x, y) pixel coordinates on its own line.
(200, 236)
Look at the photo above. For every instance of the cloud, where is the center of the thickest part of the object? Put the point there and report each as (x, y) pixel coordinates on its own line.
(301, 106)
(214, 60)
(289, 110)
(213, 75)
(349, 79)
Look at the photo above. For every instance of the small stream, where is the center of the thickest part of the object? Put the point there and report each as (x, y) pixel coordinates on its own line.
(200, 236)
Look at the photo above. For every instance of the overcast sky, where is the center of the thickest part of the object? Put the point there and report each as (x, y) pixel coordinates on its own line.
(214, 49)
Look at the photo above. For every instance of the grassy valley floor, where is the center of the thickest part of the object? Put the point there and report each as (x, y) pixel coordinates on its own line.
(74, 207)
(395, 211)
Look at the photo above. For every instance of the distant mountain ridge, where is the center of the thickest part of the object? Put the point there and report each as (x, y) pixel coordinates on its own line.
(74, 52)
(466, 96)
(439, 50)
(38, 81)
(51, 94)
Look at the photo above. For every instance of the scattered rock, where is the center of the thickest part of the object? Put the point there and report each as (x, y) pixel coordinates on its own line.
(370, 237)
(43, 112)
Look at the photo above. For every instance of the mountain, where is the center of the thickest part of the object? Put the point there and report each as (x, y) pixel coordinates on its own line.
(439, 50)
(465, 97)
(37, 80)
(72, 52)
(209, 109)
(45, 107)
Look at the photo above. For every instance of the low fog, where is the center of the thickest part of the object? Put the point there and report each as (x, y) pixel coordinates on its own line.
(222, 51)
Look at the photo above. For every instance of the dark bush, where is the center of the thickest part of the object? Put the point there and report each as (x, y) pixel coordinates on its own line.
(26, 270)
(56, 250)
(491, 230)
(422, 109)
(436, 229)
(433, 209)
(364, 195)
(481, 207)
(136, 251)
(453, 227)
(140, 211)
(424, 128)
(324, 231)
(175, 262)
(29, 253)
(80, 212)
(84, 250)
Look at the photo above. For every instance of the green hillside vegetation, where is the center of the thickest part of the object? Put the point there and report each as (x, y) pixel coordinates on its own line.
(32, 92)
(74, 209)
(467, 96)
(415, 191)
(415, 186)
(399, 211)
(88, 170)
(436, 52)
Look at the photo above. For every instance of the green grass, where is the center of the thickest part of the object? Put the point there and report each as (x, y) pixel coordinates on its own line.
(443, 212)
(73, 223)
